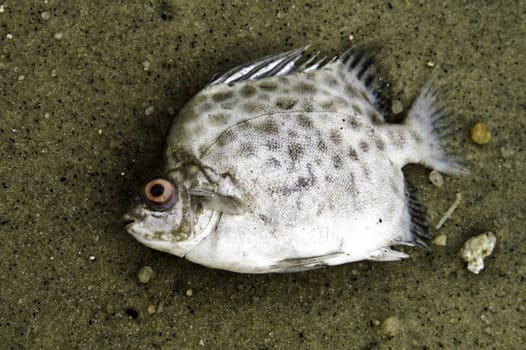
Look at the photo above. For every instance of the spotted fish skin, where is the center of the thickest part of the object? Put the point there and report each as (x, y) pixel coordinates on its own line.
(311, 154)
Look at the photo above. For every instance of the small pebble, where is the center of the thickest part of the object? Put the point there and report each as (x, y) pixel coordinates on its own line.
(440, 240)
(430, 64)
(21, 77)
(390, 326)
(146, 65)
(189, 292)
(151, 309)
(397, 107)
(9, 36)
(436, 178)
(480, 134)
(45, 15)
(58, 35)
(92, 258)
(145, 274)
(149, 110)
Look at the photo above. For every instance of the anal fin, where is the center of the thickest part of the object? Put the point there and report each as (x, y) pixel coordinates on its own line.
(387, 254)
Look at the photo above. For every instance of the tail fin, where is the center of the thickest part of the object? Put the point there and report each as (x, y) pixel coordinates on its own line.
(429, 120)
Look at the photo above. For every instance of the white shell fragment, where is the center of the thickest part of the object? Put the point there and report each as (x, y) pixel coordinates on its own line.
(476, 249)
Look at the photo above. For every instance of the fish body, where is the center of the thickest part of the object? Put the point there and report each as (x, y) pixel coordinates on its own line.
(282, 167)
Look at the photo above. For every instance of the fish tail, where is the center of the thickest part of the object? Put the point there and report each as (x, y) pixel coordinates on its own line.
(429, 120)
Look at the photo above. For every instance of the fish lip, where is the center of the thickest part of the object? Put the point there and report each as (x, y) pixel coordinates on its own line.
(127, 221)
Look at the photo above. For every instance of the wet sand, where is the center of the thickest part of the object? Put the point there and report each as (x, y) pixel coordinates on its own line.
(88, 90)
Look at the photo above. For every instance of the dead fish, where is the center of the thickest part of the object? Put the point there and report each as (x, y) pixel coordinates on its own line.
(281, 166)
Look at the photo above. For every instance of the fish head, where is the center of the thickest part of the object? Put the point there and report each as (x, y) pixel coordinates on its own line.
(165, 220)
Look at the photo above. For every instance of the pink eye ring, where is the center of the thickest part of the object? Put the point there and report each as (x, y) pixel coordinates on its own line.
(160, 194)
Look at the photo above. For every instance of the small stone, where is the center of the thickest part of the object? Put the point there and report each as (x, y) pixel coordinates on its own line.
(92, 258)
(9, 36)
(430, 64)
(58, 35)
(440, 240)
(436, 178)
(480, 134)
(397, 107)
(476, 249)
(189, 292)
(45, 15)
(21, 77)
(149, 110)
(151, 309)
(146, 65)
(390, 326)
(145, 274)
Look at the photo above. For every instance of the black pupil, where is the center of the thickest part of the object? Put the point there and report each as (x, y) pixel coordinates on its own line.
(157, 190)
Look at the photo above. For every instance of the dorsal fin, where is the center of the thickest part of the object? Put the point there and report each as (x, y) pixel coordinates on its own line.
(281, 64)
(359, 62)
(361, 66)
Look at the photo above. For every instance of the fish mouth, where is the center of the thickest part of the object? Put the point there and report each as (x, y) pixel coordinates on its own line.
(127, 221)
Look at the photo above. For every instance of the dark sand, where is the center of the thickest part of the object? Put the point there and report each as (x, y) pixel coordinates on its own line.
(76, 145)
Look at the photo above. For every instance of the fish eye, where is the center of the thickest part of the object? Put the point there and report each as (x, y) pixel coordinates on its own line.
(160, 194)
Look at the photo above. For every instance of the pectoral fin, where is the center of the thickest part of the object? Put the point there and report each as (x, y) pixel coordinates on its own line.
(218, 202)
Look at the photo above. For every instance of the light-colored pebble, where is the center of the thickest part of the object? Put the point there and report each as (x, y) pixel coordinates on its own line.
(145, 274)
(397, 107)
(45, 15)
(436, 178)
(440, 240)
(189, 292)
(146, 65)
(476, 249)
(391, 326)
(58, 35)
(151, 309)
(149, 110)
